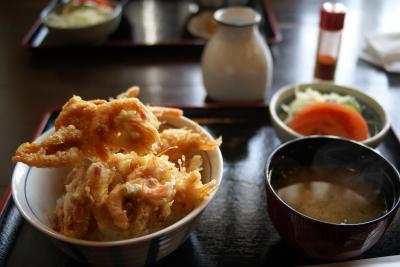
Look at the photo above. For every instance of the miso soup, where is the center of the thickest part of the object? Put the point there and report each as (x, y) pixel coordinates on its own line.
(331, 195)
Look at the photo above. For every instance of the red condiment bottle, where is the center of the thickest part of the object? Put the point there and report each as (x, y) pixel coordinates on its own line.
(331, 25)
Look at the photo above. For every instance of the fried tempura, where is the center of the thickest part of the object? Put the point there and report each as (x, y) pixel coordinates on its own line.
(58, 150)
(183, 142)
(130, 195)
(127, 179)
(94, 129)
(162, 113)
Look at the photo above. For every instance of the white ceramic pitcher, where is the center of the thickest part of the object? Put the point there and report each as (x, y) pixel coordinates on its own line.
(236, 62)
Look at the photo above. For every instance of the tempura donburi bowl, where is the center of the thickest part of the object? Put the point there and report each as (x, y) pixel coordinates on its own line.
(36, 190)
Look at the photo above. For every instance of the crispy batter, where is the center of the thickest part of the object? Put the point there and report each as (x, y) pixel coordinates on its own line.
(184, 142)
(148, 188)
(127, 178)
(131, 92)
(163, 113)
(120, 123)
(58, 150)
(93, 129)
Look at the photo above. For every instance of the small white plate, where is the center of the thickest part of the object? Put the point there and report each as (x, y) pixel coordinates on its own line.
(199, 25)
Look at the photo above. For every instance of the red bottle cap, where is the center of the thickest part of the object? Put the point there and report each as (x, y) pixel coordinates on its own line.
(332, 16)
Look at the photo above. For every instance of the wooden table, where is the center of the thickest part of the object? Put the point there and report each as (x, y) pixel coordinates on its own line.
(31, 83)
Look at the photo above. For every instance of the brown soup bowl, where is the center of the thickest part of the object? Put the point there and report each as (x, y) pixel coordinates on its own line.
(318, 239)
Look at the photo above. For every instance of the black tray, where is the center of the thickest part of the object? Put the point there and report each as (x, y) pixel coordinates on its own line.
(168, 18)
(234, 230)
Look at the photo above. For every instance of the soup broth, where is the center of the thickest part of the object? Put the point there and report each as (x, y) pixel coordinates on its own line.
(331, 195)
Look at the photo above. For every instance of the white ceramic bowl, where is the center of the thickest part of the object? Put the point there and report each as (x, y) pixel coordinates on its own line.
(86, 34)
(372, 111)
(35, 191)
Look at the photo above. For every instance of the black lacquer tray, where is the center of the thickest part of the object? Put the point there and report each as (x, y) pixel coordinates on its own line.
(154, 23)
(234, 230)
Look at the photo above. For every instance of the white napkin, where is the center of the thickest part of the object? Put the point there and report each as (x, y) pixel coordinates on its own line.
(390, 261)
(383, 49)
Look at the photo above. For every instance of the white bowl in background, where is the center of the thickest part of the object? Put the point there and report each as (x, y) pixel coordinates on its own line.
(35, 191)
(372, 110)
(84, 34)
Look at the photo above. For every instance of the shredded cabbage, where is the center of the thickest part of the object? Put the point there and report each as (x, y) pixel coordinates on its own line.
(310, 96)
(79, 16)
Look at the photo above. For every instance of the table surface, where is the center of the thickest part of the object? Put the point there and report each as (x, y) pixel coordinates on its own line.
(31, 83)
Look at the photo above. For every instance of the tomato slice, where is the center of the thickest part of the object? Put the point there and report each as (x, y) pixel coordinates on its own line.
(98, 2)
(103, 3)
(330, 119)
